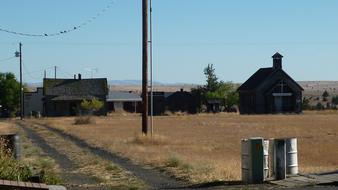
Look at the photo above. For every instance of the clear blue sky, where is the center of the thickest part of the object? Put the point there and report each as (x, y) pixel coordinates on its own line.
(237, 36)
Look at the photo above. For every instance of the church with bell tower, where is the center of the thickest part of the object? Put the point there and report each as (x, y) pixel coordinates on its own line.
(270, 90)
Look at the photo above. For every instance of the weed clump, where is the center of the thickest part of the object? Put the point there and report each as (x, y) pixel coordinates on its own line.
(12, 169)
(146, 140)
(84, 120)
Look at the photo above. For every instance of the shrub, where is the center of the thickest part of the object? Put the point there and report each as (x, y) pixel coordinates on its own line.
(12, 169)
(91, 105)
(83, 120)
(173, 161)
(319, 106)
(147, 140)
(306, 103)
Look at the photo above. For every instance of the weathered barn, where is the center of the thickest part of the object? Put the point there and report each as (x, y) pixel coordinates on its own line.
(63, 96)
(270, 90)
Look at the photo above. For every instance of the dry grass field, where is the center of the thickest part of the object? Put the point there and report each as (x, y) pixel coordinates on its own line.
(6, 128)
(206, 147)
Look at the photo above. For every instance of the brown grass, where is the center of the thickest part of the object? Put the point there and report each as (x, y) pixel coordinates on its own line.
(7, 128)
(206, 147)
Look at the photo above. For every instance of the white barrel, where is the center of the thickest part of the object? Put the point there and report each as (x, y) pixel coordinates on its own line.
(291, 156)
(246, 161)
(17, 147)
(266, 158)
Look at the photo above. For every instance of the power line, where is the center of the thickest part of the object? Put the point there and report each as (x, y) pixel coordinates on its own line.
(29, 74)
(64, 31)
(7, 59)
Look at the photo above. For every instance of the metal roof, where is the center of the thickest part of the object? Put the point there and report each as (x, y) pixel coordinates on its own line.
(115, 96)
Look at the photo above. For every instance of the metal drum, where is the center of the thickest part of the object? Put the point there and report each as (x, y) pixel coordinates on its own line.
(246, 161)
(266, 158)
(291, 156)
(255, 160)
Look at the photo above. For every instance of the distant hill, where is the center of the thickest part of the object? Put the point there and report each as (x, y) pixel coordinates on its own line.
(311, 87)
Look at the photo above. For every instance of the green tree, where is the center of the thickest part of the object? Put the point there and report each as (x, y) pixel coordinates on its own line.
(325, 95)
(9, 93)
(335, 100)
(215, 89)
(91, 105)
(212, 80)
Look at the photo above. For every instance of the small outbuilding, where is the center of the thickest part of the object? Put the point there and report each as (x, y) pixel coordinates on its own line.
(124, 101)
(33, 102)
(270, 90)
(181, 101)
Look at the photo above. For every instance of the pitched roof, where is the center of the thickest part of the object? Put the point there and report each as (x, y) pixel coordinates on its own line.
(72, 97)
(123, 97)
(277, 55)
(75, 87)
(256, 79)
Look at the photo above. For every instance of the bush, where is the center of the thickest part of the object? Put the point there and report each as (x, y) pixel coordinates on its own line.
(12, 169)
(173, 161)
(306, 103)
(83, 120)
(319, 106)
(325, 95)
(91, 105)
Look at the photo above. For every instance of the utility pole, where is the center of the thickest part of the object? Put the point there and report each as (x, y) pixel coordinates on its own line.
(19, 54)
(144, 67)
(151, 73)
(55, 72)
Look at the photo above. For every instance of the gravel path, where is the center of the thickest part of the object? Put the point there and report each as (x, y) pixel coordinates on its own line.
(63, 161)
(153, 178)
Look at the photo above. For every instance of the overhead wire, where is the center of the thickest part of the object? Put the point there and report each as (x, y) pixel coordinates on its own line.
(30, 73)
(7, 59)
(64, 31)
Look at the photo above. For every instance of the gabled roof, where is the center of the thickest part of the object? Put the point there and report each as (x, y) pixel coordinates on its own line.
(260, 76)
(256, 79)
(75, 87)
(72, 98)
(277, 55)
(115, 96)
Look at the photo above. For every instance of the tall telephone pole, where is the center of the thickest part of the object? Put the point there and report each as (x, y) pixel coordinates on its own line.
(19, 54)
(55, 72)
(151, 72)
(145, 67)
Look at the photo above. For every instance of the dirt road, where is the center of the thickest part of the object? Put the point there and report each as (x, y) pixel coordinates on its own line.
(77, 172)
(153, 178)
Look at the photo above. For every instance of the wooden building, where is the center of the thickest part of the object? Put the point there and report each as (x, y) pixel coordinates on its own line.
(270, 90)
(33, 102)
(124, 101)
(62, 97)
(181, 101)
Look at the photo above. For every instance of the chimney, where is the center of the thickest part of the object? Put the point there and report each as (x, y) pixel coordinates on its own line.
(277, 61)
(79, 76)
